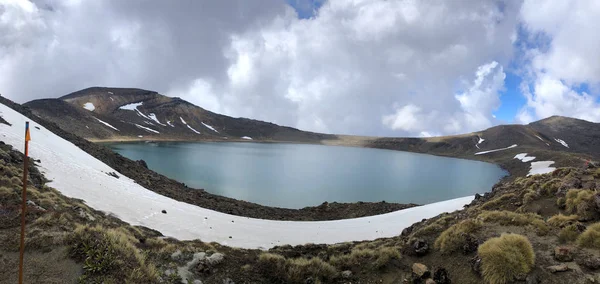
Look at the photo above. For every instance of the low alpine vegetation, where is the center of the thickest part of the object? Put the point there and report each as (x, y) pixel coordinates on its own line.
(590, 238)
(455, 237)
(505, 257)
(508, 218)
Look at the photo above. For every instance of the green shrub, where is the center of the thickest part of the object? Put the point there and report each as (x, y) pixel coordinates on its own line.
(581, 202)
(561, 220)
(279, 269)
(454, 238)
(591, 237)
(366, 258)
(508, 218)
(505, 257)
(110, 256)
(568, 233)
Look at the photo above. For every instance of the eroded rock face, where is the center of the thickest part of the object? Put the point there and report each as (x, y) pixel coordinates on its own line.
(589, 261)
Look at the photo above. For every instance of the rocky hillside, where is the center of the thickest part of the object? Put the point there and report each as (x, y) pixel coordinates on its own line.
(134, 114)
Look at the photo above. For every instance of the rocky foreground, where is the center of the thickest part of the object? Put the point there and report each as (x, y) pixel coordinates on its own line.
(539, 229)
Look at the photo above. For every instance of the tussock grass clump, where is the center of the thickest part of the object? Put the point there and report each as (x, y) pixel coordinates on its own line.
(110, 256)
(561, 220)
(590, 238)
(581, 202)
(367, 258)
(435, 227)
(505, 257)
(530, 196)
(279, 269)
(568, 234)
(455, 237)
(8, 193)
(550, 187)
(497, 202)
(508, 218)
(561, 202)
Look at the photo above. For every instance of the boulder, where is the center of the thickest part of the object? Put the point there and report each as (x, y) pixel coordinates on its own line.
(176, 255)
(441, 276)
(215, 258)
(420, 247)
(563, 253)
(558, 268)
(164, 211)
(346, 274)
(420, 270)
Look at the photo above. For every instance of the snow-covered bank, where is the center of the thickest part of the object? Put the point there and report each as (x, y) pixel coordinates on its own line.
(496, 150)
(79, 175)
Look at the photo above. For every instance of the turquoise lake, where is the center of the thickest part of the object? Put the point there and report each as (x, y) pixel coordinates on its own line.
(299, 175)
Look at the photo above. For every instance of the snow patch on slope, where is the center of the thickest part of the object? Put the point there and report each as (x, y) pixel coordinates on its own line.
(496, 150)
(89, 106)
(170, 124)
(562, 142)
(539, 137)
(132, 106)
(523, 157)
(479, 142)
(153, 117)
(209, 127)
(197, 132)
(541, 167)
(107, 124)
(147, 129)
(79, 175)
(247, 137)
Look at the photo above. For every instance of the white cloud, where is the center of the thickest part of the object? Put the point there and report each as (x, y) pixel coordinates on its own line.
(569, 60)
(353, 68)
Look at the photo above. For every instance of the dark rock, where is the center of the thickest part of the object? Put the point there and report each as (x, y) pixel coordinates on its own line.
(164, 211)
(142, 163)
(309, 280)
(475, 264)
(478, 196)
(471, 244)
(563, 253)
(420, 247)
(441, 276)
(407, 231)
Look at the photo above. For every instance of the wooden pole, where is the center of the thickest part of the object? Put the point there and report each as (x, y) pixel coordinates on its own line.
(24, 201)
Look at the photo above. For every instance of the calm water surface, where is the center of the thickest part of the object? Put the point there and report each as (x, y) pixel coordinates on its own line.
(296, 175)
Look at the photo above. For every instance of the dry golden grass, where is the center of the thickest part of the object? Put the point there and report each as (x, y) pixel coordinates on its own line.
(110, 255)
(497, 202)
(591, 237)
(508, 218)
(371, 259)
(505, 257)
(561, 220)
(580, 202)
(568, 234)
(435, 227)
(279, 269)
(530, 196)
(453, 238)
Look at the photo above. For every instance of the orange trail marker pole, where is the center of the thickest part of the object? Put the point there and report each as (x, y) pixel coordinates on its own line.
(24, 201)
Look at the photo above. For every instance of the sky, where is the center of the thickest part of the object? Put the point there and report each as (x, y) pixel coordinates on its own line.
(362, 67)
